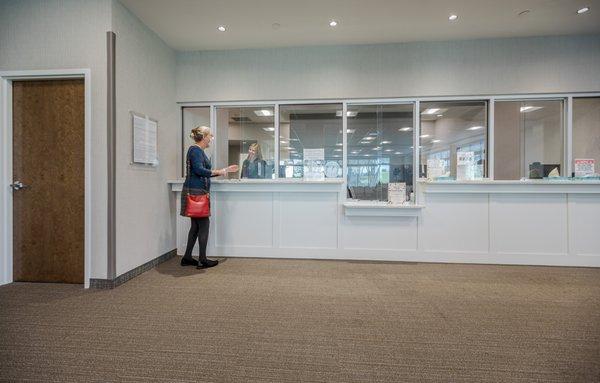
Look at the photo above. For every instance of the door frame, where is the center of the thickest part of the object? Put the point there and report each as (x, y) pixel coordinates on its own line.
(6, 129)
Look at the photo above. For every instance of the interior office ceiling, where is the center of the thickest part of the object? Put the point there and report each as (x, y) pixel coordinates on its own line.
(192, 24)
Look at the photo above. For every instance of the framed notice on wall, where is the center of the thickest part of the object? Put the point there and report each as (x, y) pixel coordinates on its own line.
(145, 134)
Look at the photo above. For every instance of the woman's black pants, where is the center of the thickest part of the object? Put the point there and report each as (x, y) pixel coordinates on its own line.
(198, 230)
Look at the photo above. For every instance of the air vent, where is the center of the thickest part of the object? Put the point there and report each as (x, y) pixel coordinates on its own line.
(241, 119)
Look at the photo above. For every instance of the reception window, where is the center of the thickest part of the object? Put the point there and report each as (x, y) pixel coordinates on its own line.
(192, 117)
(310, 141)
(380, 154)
(528, 139)
(586, 136)
(453, 140)
(246, 137)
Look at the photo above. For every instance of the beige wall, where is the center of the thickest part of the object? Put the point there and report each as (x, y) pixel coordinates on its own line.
(53, 34)
(473, 67)
(145, 75)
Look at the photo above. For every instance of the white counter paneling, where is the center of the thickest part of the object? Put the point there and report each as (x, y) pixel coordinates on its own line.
(515, 225)
(308, 220)
(455, 222)
(379, 232)
(528, 223)
(243, 219)
(584, 225)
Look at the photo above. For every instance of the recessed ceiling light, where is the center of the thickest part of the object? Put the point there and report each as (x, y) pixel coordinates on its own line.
(269, 129)
(339, 144)
(475, 128)
(452, 17)
(349, 113)
(369, 138)
(405, 129)
(440, 115)
(222, 28)
(424, 135)
(377, 148)
(436, 141)
(388, 150)
(284, 142)
(337, 150)
(333, 23)
(349, 131)
(398, 153)
(431, 111)
(583, 10)
(527, 109)
(263, 112)
(386, 142)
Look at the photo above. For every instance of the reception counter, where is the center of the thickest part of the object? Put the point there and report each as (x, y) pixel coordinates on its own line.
(498, 222)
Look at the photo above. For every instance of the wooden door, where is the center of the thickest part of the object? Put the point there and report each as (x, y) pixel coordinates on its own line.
(48, 159)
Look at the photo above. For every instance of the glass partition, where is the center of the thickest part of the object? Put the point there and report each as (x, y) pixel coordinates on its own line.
(586, 136)
(380, 154)
(192, 117)
(453, 140)
(528, 139)
(310, 141)
(246, 137)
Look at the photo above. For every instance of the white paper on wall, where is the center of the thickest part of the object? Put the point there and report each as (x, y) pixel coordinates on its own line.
(435, 168)
(397, 192)
(465, 165)
(145, 150)
(584, 167)
(314, 164)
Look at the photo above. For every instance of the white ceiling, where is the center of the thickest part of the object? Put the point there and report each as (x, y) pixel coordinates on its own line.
(191, 24)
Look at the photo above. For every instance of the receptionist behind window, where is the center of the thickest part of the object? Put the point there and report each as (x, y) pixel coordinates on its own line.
(254, 166)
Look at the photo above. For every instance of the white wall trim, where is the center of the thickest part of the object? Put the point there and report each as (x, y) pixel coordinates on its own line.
(6, 79)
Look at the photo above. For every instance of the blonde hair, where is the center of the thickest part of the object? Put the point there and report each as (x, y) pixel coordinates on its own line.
(257, 150)
(199, 132)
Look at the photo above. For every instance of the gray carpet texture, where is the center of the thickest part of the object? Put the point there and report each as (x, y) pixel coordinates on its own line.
(274, 320)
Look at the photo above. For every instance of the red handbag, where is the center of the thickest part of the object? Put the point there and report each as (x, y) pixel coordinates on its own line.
(198, 206)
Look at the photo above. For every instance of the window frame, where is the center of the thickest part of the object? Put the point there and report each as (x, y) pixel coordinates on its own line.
(491, 100)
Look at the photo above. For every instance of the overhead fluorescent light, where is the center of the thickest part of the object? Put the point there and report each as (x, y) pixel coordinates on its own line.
(355, 151)
(349, 113)
(386, 142)
(431, 111)
(475, 128)
(339, 144)
(527, 109)
(369, 138)
(337, 150)
(583, 10)
(284, 142)
(349, 131)
(333, 23)
(424, 135)
(264, 113)
(453, 17)
(269, 129)
(221, 28)
(388, 150)
(436, 141)
(405, 129)
(398, 153)
(377, 148)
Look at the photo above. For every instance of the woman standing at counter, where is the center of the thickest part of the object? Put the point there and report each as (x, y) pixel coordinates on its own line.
(197, 183)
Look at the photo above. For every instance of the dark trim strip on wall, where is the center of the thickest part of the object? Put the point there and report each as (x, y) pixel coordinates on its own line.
(114, 282)
(111, 268)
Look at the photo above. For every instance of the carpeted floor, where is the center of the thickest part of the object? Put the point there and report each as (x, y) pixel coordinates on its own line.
(251, 320)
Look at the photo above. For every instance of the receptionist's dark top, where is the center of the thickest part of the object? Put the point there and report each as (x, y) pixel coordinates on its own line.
(254, 169)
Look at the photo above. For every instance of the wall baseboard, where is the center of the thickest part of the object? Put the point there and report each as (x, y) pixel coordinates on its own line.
(112, 283)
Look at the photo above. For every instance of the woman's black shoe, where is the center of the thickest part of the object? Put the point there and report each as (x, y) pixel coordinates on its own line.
(188, 262)
(208, 263)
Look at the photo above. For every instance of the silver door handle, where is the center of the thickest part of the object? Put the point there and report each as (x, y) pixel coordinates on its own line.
(18, 185)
